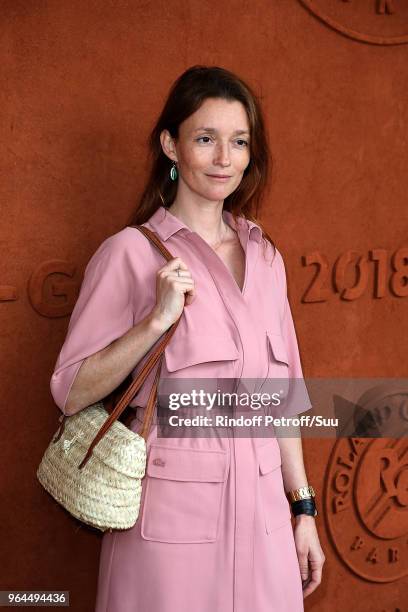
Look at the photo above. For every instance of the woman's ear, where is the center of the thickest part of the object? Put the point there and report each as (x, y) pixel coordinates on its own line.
(168, 145)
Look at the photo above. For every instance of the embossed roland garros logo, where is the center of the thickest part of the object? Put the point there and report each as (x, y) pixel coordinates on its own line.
(366, 505)
(379, 22)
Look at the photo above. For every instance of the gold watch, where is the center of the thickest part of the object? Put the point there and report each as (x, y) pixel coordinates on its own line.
(301, 493)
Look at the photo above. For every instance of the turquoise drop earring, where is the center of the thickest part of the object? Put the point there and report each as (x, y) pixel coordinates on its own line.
(173, 171)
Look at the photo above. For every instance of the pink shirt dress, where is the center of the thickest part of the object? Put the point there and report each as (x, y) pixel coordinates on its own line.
(214, 532)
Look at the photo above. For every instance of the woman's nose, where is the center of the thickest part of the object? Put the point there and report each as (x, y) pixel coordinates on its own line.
(222, 155)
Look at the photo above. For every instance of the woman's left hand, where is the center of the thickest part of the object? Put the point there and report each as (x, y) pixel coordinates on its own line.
(310, 554)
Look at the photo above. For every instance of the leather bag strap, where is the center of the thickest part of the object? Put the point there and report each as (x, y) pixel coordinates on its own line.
(154, 358)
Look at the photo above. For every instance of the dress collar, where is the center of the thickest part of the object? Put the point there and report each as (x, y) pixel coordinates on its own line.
(165, 224)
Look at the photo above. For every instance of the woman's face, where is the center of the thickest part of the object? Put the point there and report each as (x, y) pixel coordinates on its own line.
(212, 150)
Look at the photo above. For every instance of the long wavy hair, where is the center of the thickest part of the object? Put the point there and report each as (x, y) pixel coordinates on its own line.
(185, 97)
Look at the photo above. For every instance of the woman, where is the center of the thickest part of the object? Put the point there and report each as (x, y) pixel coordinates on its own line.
(214, 530)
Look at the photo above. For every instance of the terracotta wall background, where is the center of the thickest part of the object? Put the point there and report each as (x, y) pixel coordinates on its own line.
(80, 86)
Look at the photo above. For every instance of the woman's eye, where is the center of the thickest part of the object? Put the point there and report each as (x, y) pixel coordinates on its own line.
(241, 142)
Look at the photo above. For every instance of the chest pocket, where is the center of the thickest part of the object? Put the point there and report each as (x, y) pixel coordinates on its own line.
(277, 370)
(184, 493)
(275, 506)
(278, 355)
(201, 356)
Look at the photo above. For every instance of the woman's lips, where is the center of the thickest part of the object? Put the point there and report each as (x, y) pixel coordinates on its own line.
(219, 177)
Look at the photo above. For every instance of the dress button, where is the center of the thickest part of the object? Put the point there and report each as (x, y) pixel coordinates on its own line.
(159, 461)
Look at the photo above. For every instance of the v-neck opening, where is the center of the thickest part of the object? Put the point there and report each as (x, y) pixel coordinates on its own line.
(244, 248)
(241, 291)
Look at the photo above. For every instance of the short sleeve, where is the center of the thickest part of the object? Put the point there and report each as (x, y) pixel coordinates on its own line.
(299, 400)
(103, 312)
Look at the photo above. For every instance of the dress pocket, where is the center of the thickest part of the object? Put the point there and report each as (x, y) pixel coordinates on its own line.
(184, 493)
(202, 355)
(278, 355)
(277, 368)
(275, 506)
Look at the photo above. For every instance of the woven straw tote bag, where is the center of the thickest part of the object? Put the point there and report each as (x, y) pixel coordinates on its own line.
(94, 464)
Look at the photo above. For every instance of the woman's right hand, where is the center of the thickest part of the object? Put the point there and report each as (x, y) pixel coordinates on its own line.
(170, 290)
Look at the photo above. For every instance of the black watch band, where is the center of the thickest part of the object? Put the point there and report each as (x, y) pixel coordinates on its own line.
(304, 506)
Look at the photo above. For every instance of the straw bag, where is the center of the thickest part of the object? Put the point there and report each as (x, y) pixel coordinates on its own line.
(94, 464)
